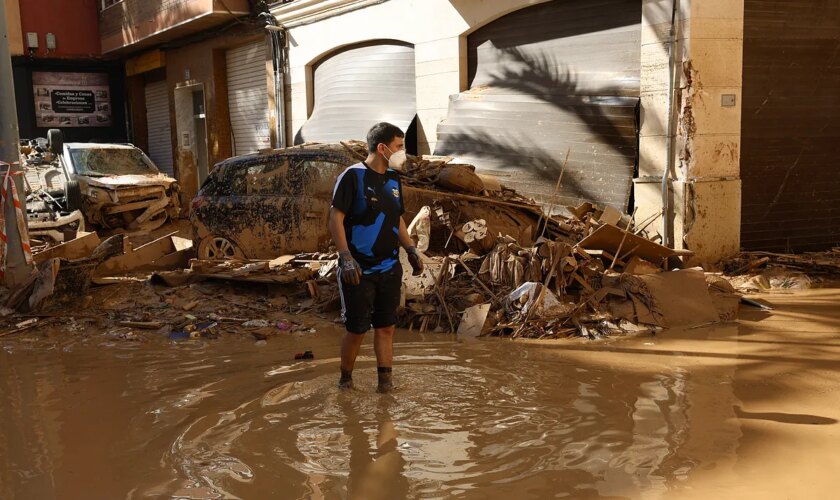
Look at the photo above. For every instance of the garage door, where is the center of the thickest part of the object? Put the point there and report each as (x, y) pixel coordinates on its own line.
(248, 98)
(556, 77)
(790, 127)
(160, 132)
(358, 87)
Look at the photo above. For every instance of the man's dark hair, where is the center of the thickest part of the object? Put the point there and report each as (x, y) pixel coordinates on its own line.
(382, 133)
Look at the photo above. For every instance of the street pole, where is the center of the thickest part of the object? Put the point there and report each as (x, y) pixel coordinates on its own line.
(17, 269)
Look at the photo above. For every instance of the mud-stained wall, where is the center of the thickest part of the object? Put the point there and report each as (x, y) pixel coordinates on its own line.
(790, 125)
(13, 27)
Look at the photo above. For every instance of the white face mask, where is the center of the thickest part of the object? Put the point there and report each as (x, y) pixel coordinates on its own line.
(397, 160)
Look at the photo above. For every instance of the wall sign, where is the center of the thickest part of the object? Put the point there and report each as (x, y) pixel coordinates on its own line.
(72, 99)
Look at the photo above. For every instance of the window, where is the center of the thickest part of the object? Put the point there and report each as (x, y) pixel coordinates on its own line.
(111, 161)
(104, 4)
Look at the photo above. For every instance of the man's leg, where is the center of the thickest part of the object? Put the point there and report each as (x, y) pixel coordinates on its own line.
(384, 319)
(383, 346)
(357, 305)
(350, 346)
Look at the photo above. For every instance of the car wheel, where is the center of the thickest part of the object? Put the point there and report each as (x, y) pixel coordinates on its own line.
(55, 140)
(218, 248)
(73, 192)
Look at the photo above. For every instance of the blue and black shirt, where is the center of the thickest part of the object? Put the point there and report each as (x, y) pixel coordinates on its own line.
(372, 204)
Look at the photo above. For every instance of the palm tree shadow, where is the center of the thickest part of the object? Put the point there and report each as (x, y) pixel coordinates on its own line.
(589, 122)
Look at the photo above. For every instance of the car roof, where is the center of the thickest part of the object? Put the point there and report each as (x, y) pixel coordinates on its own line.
(352, 152)
(98, 145)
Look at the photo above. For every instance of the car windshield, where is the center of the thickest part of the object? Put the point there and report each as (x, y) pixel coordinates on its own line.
(111, 161)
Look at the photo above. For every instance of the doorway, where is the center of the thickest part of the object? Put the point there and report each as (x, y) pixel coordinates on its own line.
(191, 125)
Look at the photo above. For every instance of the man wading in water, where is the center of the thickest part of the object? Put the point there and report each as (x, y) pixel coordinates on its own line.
(366, 225)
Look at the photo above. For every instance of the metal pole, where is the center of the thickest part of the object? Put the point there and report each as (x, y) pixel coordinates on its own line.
(17, 269)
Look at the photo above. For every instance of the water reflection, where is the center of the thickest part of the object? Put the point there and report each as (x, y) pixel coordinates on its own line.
(469, 420)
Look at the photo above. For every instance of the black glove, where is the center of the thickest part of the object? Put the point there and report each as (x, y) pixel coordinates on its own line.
(415, 261)
(350, 270)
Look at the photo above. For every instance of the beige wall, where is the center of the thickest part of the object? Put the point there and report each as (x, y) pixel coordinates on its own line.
(706, 192)
(437, 28)
(706, 186)
(13, 27)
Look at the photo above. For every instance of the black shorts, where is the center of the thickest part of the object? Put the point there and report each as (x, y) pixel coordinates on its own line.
(374, 301)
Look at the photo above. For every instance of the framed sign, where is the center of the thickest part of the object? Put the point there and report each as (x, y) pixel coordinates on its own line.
(72, 99)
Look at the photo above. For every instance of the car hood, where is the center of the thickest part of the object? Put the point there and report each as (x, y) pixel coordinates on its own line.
(118, 181)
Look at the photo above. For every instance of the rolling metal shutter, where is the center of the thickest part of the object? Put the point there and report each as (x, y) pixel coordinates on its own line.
(558, 76)
(359, 87)
(248, 98)
(790, 126)
(159, 129)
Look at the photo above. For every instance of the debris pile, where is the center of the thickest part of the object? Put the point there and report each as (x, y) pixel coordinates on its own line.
(755, 272)
(495, 264)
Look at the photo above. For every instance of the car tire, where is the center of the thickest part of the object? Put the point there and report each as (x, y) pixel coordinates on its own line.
(55, 140)
(73, 193)
(218, 248)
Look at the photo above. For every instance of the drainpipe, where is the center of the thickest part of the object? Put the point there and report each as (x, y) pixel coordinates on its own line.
(667, 209)
(278, 46)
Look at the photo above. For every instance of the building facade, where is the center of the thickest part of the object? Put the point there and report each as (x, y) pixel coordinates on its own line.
(607, 93)
(199, 78)
(61, 79)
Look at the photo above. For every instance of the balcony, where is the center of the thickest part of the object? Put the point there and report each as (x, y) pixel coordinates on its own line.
(130, 25)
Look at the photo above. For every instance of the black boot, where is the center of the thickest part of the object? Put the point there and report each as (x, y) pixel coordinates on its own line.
(346, 380)
(385, 383)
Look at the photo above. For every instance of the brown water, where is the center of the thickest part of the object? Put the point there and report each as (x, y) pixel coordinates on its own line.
(740, 411)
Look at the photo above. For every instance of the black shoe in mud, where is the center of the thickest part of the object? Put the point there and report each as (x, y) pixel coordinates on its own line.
(345, 383)
(386, 385)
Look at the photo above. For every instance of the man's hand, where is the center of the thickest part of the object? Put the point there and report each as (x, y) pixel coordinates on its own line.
(351, 272)
(415, 261)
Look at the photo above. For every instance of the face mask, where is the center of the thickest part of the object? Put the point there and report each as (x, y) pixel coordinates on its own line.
(397, 160)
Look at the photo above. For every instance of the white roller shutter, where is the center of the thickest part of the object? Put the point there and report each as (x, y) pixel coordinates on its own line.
(160, 133)
(248, 98)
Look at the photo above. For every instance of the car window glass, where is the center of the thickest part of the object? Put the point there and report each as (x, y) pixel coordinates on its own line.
(264, 178)
(313, 177)
(111, 161)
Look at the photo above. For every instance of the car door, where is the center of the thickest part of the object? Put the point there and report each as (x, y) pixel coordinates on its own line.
(235, 197)
(296, 216)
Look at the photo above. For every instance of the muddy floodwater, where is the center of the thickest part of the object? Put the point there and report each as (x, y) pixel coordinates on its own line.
(747, 410)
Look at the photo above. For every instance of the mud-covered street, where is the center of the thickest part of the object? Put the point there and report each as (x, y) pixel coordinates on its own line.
(744, 410)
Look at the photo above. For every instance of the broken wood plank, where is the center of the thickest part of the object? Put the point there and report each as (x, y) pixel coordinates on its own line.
(144, 325)
(79, 248)
(611, 239)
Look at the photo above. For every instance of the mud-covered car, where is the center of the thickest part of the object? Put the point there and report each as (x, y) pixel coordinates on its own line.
(264, 205)
(49, 216)
(115, 185)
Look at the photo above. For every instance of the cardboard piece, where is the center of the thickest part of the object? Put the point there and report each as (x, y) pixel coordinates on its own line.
(610, 216)
(682, 297)
(472, 322)
(638, 266)
(609, 238)
(79, 248)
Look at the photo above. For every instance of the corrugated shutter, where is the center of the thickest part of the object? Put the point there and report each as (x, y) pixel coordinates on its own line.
(358, 88)
(159, 129)
(558, 76)
(790, 125)
(248, 98)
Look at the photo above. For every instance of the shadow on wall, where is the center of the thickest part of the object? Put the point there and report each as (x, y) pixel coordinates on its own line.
(572, 115)
(547, 79)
